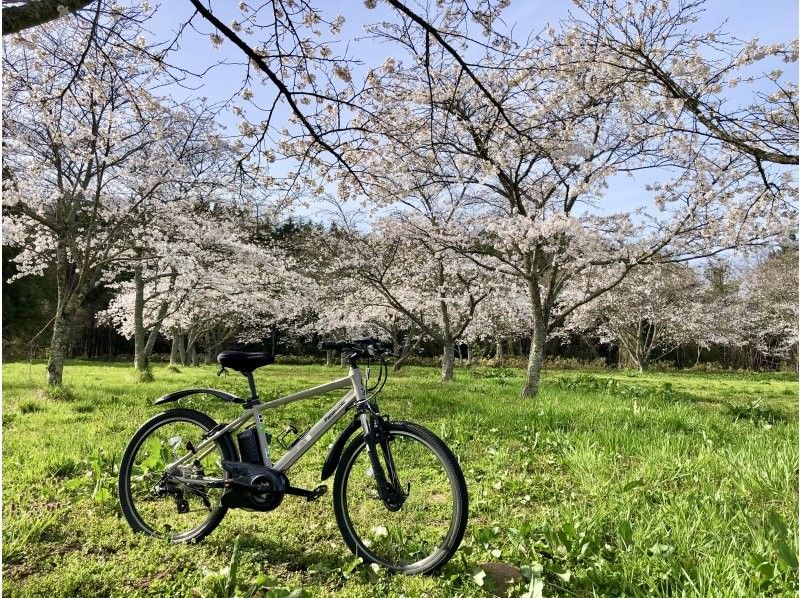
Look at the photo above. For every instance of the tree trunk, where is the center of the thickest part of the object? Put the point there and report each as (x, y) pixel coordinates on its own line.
(209, 347)
(59, 346)
(174, 353)
(151, 340)
(498, 354)
(329, 357)
(399, 363)
(342, 359)
(644, 345)
(182, 349)
(139, 341)
(69, 299)
(448, 359)
(408, 347)
(448, 351)
(191, 352)
(535, 358)
(641, 364)
(642, 358)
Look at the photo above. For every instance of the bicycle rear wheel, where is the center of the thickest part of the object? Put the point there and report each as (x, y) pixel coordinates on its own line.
(152, 501)
(425, 531)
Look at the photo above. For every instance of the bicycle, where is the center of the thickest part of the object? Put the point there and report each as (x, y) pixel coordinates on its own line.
(399, 495)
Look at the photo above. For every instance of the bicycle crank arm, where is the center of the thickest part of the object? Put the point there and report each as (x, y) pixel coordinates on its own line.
(310, 495)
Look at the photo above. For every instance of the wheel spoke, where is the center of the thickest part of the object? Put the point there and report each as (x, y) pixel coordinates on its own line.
(161, 505)
(423, 527)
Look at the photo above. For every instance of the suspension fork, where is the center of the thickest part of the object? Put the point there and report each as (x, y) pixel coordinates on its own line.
(376, 436)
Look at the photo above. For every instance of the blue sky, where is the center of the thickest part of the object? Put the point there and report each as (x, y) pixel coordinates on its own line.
(770, 20)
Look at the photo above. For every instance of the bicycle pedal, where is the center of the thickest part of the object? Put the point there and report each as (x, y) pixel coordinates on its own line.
(317, 492)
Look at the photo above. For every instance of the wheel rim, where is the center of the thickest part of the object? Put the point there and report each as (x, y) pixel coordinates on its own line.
(164, 507)
(416, 535)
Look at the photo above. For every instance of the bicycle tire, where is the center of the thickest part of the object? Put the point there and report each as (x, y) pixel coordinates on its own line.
(457, 484)
(224, 443)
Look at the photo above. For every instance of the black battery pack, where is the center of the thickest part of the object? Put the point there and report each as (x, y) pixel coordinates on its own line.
(248, 446)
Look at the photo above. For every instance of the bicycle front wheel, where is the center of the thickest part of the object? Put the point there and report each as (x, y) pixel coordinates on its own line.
(425, 531)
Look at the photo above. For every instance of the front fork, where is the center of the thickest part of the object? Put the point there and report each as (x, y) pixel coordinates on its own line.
(376, 439)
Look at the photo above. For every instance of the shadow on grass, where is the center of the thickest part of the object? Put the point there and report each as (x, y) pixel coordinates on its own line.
(757, 412)
(292, 554)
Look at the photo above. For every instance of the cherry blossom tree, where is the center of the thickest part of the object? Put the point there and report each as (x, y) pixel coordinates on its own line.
(654, 46)
(240, 291)
(172, 228)
(536, 163)
(345, 307)
(770, 303)
(649, 314)
(503, 317)
(437, 290)
(524, 186)
(85, 151)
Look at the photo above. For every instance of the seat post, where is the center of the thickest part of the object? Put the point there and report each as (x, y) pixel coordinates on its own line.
(252, 383)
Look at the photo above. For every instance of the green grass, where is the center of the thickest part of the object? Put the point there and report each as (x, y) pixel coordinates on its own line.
(608, 483)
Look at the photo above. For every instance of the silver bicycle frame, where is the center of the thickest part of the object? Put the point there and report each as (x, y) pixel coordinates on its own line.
(356, 395)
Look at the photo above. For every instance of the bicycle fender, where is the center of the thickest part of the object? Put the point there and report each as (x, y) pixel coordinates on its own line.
(338, 447)
(180, 394)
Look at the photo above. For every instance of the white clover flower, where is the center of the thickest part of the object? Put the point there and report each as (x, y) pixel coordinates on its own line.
(380, 531)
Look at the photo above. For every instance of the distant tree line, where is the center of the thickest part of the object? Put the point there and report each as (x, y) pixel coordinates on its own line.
(728, 314)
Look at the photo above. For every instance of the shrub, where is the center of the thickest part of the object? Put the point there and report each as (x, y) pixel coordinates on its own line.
(145, 375)
(61, 466)
(573, 363)
(63, 392)
(756, 411)
(26, 407)
(300, 359)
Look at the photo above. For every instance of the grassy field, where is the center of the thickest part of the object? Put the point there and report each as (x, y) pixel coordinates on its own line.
(608, 483)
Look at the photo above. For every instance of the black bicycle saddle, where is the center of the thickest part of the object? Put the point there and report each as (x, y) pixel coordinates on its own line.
(244, 362)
